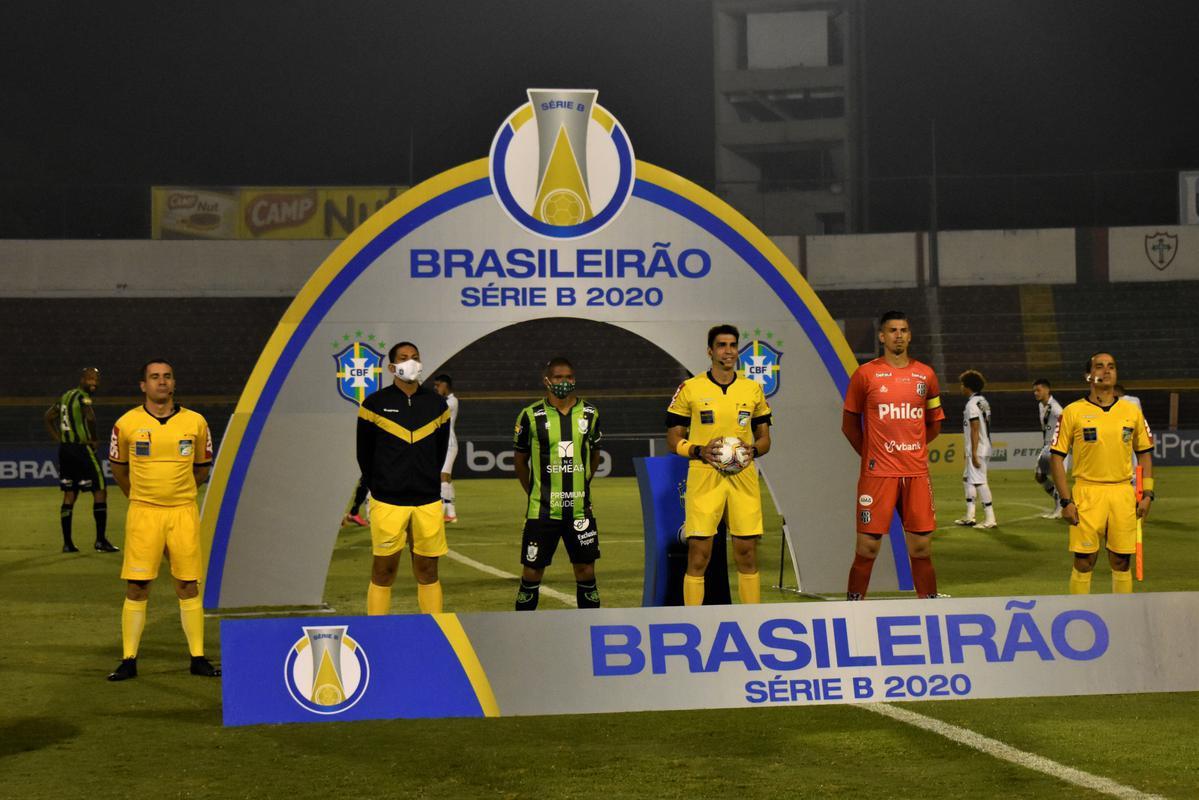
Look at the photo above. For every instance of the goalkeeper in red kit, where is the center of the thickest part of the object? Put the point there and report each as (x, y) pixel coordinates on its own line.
(892, 411)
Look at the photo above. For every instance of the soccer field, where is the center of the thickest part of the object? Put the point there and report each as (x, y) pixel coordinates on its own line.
(66, 732)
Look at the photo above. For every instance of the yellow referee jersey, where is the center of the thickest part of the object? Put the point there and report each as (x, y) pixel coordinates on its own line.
(1102, 440)
(711, 410)
(161, 453)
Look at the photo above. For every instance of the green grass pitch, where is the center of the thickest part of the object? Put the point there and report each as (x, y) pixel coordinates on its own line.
(65, 732)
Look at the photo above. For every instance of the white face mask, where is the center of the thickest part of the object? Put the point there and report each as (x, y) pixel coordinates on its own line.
(407, 370)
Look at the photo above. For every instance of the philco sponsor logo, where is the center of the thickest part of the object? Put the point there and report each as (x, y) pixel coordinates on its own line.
(900, 411)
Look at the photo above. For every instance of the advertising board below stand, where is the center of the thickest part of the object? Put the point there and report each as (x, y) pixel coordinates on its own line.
(264, 212)
(37, 465)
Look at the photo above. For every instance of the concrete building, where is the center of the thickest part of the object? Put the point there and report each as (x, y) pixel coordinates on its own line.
(790, 149)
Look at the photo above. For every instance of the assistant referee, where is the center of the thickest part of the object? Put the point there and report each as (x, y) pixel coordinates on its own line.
(1101, 432)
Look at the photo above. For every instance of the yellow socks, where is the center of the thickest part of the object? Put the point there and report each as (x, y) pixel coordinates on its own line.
(191, 613)
(378, 600)
(133, 622)
(693, 590)
(749, 587)
(1080, 582)
(428, 597)
(1122, 582)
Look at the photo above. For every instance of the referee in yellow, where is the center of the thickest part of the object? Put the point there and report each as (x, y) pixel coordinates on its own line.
(1102, 432)
(703, 410)
(160, 453)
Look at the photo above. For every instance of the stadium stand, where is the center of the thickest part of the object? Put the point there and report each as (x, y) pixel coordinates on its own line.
(1013, 334)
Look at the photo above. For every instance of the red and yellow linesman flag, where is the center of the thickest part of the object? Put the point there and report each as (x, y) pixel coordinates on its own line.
(1140, 533)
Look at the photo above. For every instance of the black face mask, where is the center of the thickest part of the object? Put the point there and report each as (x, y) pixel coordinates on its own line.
(562, 389)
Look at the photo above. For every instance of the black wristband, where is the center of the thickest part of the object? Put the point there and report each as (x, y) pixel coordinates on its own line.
(754, 450)
(696, 451)
(1065, 501)
(1149, 494)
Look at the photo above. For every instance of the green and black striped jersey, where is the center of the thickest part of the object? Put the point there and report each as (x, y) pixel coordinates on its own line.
(75, 417)
(559, 447)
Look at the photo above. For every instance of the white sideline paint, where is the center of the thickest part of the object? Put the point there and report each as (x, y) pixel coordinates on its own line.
(1005, 752)
(499, 573)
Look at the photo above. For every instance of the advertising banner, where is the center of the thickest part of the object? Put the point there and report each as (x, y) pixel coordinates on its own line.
(265, 212)
(191, 213)
(1017, 450)
(36, 466)
(670, 658)
(1176, 448)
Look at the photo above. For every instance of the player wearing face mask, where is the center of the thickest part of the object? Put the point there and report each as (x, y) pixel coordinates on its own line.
(403, 435)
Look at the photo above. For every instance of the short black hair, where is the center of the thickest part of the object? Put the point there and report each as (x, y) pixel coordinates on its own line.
(716, 330)
(391, 354)
(973, 380)
(1042, 382)
(154, 361)
(1091, 360)
(557, 361)
(446, 379)
(890, 315)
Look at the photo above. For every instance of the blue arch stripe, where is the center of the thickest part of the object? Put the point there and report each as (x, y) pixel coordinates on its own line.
(785, 292)
(291, 351)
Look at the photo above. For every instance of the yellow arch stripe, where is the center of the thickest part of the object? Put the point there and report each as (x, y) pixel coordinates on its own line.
(760, 242)
(418, 195)
(456, 636)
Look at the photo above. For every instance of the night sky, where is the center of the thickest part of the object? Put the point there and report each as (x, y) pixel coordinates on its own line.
(117, 97)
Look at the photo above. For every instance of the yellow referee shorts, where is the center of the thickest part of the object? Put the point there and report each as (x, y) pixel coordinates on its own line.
(1104, 509)
(151, 531)
(713, 496)
(390, 526)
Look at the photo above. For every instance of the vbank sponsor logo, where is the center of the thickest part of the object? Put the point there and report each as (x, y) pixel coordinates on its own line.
(326, 671)
(561, 165)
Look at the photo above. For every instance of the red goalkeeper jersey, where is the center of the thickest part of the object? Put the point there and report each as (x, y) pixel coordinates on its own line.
(895, 403)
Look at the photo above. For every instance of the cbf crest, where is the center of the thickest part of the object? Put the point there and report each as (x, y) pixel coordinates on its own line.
(759, 362)
(359, 371)
(561, 165)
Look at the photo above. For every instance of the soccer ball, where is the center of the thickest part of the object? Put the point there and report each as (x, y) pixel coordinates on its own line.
(732, 455)
(562, 208)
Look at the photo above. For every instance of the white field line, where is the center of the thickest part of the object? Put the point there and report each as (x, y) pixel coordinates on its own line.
(499, 573)
(1005, 752)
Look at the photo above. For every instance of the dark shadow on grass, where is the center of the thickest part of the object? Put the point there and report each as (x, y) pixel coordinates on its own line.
(1013, 541)
(207, 717)
(34, 733)
(1170, 525)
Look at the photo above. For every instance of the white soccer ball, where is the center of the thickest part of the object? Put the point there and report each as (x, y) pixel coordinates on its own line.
(732, 455)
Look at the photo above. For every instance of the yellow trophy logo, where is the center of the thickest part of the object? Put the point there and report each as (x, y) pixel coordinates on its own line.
(326, 670)
(584, 164)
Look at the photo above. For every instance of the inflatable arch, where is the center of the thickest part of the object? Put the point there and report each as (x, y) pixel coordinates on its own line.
(445, 264)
